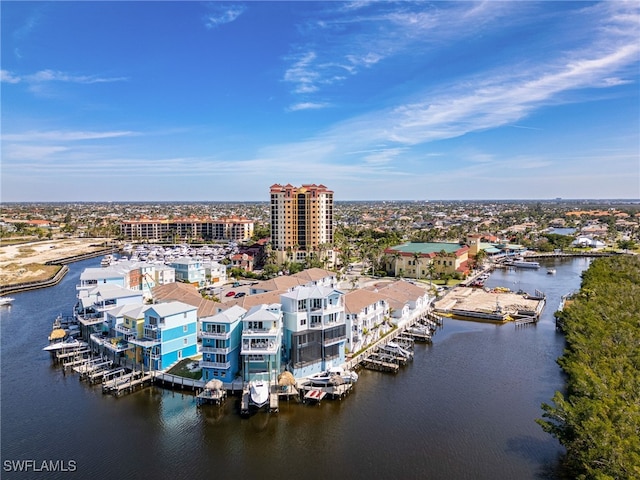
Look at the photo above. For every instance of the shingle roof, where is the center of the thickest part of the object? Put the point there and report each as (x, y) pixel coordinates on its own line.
(356, 300)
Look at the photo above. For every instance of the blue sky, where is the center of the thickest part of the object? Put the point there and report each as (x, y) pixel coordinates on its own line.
(216, 101)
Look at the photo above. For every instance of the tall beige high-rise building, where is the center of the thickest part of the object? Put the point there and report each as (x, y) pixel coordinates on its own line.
(301, 222)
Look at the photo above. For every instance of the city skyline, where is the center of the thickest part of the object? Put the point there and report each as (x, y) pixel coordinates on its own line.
(191, 101)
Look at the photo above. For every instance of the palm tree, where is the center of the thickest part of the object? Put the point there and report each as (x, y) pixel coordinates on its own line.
(416, 263)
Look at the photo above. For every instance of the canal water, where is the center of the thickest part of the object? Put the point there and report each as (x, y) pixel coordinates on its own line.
(465, 408)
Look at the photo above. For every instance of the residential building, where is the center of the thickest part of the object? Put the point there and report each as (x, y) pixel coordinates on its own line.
(242, 261)
(221, 335)
(407, 302)
(314, 329)
(367, 318)
(233, 228)
(189, 270)
(301, 222)
(261, 343)
(169, 334)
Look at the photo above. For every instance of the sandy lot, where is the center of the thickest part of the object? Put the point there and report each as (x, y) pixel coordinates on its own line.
(25, 262)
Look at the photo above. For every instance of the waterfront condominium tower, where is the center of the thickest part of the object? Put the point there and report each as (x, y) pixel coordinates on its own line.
(301, 222)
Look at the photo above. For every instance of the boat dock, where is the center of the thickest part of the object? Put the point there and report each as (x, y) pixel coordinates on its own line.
(207, 396)
(499, 305)
(127, 382)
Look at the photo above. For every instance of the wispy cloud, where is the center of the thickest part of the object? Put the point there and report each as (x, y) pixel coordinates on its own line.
(221, 14)
(8, 77)
(38, 81)
(64, 136)
(337, 44)
(307, 106)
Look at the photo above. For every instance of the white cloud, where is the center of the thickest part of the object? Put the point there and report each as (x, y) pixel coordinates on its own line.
(223, 14)
(8, 77)
(307, 106)
(62, 136)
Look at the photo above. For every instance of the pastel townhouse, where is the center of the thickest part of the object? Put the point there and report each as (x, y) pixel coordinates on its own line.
(407, 302)
(130, 328)
(94, 304)
(261, 343)
(367, 317)
(314, 329)
(169, 334)
(221, 334)
(189, 270)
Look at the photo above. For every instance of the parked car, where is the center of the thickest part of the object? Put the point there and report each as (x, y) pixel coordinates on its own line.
(236, 284)
(230, 294)
(239, 294)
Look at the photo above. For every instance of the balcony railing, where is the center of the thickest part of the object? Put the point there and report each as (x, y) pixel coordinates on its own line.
(224, 350)
(216, 335)
(218, 365)
(332, 341)
(125, 330)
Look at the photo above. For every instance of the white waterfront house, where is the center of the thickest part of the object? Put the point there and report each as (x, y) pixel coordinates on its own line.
(367, 316)
(261, 343)
(314, 329)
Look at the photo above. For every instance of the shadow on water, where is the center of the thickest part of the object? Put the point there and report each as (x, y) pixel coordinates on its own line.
(529, 448)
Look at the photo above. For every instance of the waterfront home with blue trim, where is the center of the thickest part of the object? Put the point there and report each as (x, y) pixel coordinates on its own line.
(169, 334)
(189, 270)
(221, 334)
(314, 329)
(261, 343)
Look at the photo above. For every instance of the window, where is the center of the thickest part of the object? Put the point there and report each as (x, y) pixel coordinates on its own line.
(303, 321)
(184, 328)
(185, 341)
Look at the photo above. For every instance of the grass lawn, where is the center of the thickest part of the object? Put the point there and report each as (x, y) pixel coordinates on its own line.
(187, 368)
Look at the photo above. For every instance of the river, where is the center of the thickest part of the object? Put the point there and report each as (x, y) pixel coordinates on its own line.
(465, 408)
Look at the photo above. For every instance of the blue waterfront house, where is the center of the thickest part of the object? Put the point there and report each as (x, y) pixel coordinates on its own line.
(169, 334)
(221, 334)
(189, 270)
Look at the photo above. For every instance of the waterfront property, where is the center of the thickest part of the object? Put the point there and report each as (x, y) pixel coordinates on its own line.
(261, 343)
(497, 305)
(169, 334)
(189, 270)
(367, 316)
(301, 222)
(427, 260)
(226, 228)
(314, 329)
(221, 334)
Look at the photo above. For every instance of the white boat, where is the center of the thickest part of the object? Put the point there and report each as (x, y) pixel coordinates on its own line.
(5, 301)
(523, 264)
(334, 376)
(64, 344)
(259, 393)
(551, 271)
(397, 350)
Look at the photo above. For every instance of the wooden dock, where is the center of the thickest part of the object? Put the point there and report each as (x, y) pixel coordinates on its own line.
(127, 383)
(216, 397)
(380, 364)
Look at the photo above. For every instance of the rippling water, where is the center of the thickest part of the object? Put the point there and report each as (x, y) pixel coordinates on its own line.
(463, 409)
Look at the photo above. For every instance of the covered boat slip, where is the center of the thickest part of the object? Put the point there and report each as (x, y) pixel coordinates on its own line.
(497, 305)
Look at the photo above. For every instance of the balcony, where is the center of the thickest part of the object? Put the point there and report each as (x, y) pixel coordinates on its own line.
(218, 365)
(125, 330)
(215, 335)
(332, 341)
(259, 332)
(224, 350)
